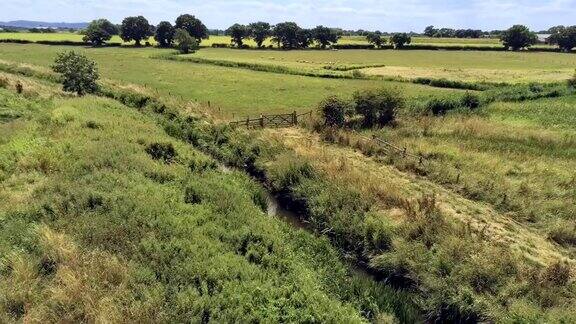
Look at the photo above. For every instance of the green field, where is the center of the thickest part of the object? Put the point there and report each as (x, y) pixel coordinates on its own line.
(235, 91)
(482, 230)
(452, 65)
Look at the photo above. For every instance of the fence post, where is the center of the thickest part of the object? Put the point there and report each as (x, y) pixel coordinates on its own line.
(262, 120)
(294, 118)
(247, 121)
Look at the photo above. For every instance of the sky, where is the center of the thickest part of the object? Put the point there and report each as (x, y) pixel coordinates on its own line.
(384, 15)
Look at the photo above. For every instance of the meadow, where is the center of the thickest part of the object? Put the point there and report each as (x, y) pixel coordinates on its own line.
(235, 92)
(483, 231)
(474, 66)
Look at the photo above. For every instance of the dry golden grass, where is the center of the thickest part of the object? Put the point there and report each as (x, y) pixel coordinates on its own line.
(352, 168)
(472, 74)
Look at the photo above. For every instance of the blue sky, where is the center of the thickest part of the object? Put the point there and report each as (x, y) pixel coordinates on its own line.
(385, 15)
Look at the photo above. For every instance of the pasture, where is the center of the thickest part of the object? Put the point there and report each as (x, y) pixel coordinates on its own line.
(474, 66)
(235, 91)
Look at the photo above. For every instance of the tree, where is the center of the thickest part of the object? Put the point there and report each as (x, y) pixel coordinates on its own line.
(378, 106)
(193, 26)
(79, 74)
(259, 31)
(99, 31)
(165, 34)
(135, 29)
(325, 36)
(334, 111)
(376, 39)
(400, 39)
(238, 33)
(185, 42)
(518, 37)
(564, 37)
(430, 31)
(286, 35)
(304, 37)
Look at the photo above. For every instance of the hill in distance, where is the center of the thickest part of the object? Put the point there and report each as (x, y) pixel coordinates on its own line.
(40, 24)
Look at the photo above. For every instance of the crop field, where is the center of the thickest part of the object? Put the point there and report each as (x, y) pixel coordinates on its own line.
(141, 203)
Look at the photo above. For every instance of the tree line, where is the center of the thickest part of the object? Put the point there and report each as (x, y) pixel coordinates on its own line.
(188, 32)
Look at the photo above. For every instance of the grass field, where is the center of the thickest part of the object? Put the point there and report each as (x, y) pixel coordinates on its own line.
(236, 91)
(482, 231)
(452, 65)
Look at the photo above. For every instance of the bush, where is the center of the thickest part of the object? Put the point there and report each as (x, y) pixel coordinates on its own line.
(162, 151)
(470, 101)
(439, 106)
(334, 110)
(79, 73)
(378, 106)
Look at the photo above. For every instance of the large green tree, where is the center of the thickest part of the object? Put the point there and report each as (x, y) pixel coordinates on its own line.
(399, 40)
(430, 31)
(238, 33)
(564, 37)
(376, 39)
(325, 36)
(135, 29)
(304, 38)
(286, 35)
(259, 31)
(79, 73)
(518, 37)
(193, 26)
(99, 31)
(164, 34)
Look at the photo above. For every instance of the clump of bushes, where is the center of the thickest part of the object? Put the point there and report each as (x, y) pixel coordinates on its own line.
(470, 101)
(334, 111)
(440, 106)
(377, 107)
(162, 151)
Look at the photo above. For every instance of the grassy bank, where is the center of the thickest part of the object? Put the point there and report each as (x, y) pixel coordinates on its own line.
(102, 225)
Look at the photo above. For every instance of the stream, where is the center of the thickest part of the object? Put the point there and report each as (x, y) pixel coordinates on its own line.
(275, 209)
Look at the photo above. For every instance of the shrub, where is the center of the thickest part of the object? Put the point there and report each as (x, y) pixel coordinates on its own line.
(334, 110)
(4, 83)
(162, 151)
(439, 106)
(378, 106)
(470, 100)
(79, 73)
(556, 274)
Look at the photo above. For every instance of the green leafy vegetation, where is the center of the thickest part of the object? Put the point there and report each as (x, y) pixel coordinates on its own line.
(95, 229)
